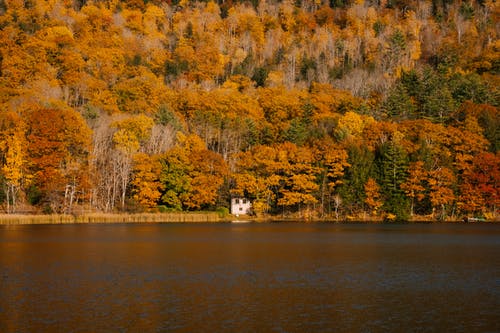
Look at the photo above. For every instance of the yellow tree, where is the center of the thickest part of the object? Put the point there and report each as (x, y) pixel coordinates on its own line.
(258, 189)
(331, 158)
(279, 106)
(373, 197)
(146, 185)
(352, 124)
(131, 134)
(14, 169)
(140, 94)
(254, 177)
(301, 187)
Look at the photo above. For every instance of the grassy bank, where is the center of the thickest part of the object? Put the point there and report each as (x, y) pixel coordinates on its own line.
(12, 219)
(192, 217)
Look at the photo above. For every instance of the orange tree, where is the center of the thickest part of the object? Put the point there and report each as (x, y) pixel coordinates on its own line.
(146, 185)
(58, 148)
(373, 197)
(298, 186)
(480, 188)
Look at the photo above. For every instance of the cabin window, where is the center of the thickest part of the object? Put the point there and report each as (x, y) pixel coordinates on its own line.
(244, 201)
(237, 201)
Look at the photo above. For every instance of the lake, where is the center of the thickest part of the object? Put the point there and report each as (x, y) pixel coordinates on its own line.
(275, 277)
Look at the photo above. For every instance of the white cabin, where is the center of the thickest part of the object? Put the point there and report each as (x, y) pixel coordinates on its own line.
(240, 206)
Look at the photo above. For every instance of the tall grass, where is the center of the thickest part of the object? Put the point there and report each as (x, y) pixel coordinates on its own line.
(8, 219)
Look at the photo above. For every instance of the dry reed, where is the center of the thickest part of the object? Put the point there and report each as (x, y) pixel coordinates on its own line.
(12, 219)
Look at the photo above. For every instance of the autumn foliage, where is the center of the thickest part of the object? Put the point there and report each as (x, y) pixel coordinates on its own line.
(311, 109)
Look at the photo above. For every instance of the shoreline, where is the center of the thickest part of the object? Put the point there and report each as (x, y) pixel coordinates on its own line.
(110, 218)
(186, 217)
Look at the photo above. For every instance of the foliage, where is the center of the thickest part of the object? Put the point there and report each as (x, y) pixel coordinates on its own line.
(324, 109)
(373, 197)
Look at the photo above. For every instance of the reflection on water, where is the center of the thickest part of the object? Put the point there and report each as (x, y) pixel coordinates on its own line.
(250, 278)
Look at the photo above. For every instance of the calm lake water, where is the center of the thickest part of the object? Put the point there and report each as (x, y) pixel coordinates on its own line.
(250, 278)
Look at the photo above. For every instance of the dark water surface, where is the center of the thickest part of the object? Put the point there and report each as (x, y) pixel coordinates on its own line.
(250, 278)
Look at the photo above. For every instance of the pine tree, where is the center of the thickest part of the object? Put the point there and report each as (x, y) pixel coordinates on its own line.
(398, 104)
(393, 164)
(361, 167)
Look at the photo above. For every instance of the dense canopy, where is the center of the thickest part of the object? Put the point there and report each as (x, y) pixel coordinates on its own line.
(315, 109)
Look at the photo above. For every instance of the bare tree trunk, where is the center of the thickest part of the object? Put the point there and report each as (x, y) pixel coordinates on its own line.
(71, 197)
(337, 200)
(323, 190)
(66, 191)
(13, 198)
(8, 199)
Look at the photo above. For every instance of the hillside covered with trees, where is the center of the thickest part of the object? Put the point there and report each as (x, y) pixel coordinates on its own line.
(310, 108)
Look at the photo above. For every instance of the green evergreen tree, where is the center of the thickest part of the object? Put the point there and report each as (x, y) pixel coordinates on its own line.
(412, 83)
(472, 87)
(352, 190)
(398, 104)
(392, 163)
(436, 101)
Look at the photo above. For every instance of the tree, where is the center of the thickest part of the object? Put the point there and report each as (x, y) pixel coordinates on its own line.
(14, 163)
(207, 178)
(14, 170)
(392, 165)
(58, 140)
(146, 185)
(298, 191)
(398, 104)
(296, 165)
(255, 179)
(361, 161)
(331, 160)
(299, 130)
(414, 184)
(440, 192)
(174, 178)
(480, 187)
(279, 107)
(352, 124)
(238, 76)
(141, 94)
(131, 134)
(481, 119)
(191, 175)
(471, 200)
(373, 196)
(434, 97)
(397, 45)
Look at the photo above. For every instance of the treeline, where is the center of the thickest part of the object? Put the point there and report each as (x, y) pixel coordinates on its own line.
(317, 109)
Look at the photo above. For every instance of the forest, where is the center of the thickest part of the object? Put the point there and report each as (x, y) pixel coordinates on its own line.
(313, 109)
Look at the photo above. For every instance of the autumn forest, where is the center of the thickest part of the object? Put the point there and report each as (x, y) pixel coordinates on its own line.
(339, 109)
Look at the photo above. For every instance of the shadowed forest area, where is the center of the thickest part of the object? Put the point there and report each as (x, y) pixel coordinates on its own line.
(311, 109)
